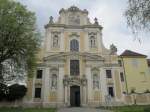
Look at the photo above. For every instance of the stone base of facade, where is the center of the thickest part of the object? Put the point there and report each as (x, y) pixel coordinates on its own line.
(92, 104)
(43, 104)
(138, 99)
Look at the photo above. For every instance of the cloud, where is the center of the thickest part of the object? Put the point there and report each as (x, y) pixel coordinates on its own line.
(108, 12)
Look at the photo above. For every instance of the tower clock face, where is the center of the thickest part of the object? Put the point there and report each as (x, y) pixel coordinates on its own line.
(74, 19)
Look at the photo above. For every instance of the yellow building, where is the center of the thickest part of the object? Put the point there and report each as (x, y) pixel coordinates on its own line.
(136, 73)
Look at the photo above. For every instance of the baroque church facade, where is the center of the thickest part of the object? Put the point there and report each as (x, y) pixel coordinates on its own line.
(74, 67)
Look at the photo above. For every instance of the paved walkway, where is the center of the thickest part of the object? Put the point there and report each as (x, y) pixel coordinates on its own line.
(80, 109)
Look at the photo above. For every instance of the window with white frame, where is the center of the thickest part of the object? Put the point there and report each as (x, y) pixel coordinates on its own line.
(39, 74)
(92, 41)
(37, 92)
(108, 74)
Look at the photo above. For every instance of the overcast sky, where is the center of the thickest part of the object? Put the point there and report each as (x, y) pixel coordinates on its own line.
(108, 12)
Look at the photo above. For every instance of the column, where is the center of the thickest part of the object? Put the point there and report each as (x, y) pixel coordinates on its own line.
(84, 90)
(66, 95)
(66, 90)
(84, 95)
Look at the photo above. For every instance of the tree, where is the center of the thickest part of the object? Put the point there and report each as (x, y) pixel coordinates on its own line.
(3, 91)
(18, 37)
(138, 15)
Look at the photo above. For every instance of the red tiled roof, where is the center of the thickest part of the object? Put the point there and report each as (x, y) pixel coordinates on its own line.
(132, 53)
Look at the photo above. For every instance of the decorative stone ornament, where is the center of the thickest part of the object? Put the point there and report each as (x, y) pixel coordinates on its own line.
(65, 80)
(84, 80)
(96, 21)
(113, 49)
(51, 20)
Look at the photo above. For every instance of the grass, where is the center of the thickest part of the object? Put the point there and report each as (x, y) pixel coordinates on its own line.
(27, 110)
(132, 109)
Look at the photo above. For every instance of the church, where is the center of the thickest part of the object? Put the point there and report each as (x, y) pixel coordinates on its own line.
(74, 67)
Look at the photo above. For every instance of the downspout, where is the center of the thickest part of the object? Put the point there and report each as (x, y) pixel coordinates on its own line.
(125, 75)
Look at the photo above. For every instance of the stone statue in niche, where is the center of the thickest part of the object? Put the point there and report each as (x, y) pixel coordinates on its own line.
(66, 80)
(54, 81)
(95, 82)
(113, 49)
(55, 41)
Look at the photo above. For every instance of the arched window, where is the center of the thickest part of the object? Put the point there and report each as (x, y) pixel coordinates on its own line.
(74, 45)
(55, 41)
(92, 41)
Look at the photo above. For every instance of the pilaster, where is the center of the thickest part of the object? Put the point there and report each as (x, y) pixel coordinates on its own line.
(103, 83)
(60, 85)
(46, 84)
(89, 83)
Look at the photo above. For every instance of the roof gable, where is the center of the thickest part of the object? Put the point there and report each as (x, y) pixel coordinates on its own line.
(132, 54)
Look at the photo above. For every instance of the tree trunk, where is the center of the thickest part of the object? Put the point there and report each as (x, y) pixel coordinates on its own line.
(1, 76)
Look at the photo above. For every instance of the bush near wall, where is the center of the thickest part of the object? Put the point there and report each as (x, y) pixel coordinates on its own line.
(12, 93)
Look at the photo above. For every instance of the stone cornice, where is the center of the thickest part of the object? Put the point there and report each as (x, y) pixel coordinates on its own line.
(111, 65)
(74, 26)
(63, 55)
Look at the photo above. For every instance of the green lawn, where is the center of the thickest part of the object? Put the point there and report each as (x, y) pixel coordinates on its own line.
(132, 109)
(27, 110)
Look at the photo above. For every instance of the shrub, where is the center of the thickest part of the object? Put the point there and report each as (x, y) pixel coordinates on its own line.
(16, 91)
(3, 91)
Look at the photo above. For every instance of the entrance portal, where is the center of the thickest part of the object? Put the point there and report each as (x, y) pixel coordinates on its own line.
(75, 96)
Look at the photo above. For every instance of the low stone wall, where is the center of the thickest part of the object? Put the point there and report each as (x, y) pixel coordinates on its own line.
(140, 99)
